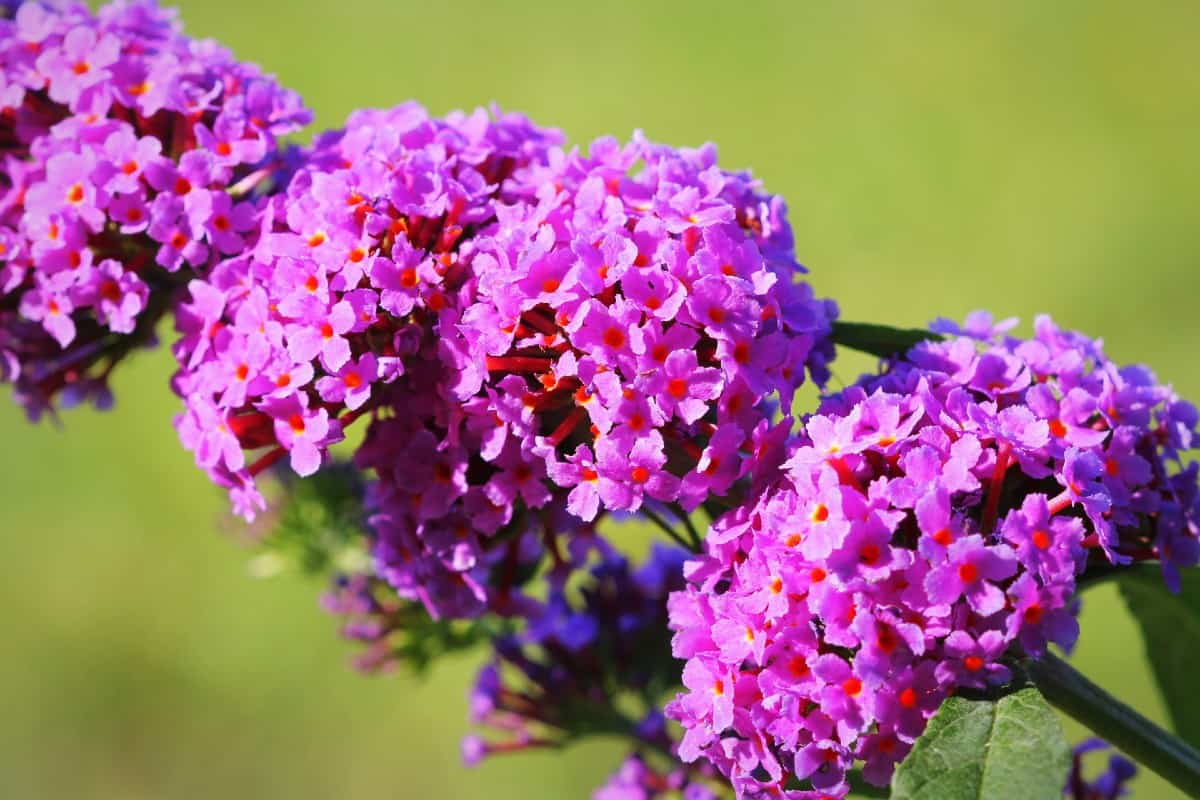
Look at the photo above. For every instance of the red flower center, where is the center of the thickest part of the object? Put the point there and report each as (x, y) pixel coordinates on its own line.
(614, 338)
(110, 291)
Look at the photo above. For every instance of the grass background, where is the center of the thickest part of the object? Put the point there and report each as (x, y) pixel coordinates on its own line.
(1023, 156)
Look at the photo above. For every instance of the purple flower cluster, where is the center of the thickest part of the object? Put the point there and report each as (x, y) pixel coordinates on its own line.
(127, 153)
(286, 344)
(536, 336)
(636, 779)
(580, 650)
(631, 321)
(926, 522)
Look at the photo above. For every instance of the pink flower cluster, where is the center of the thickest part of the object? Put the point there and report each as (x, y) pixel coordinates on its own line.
(286, 344)
(534, 334)
(537, 337)
(127, 152)
(924, 524)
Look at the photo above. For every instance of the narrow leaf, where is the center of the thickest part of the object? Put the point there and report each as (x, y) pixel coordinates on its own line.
(879, 340)
(1170, 625)
(973, 749)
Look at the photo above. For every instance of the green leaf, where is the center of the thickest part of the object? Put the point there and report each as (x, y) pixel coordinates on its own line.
(981, 749)
(879, 340)
(1170, 625)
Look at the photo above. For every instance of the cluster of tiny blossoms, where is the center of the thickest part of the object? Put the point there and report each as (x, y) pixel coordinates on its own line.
(284, 345)
(924, 524)
(579, 652)
(535, 335)
(126, 154)
(637, 779)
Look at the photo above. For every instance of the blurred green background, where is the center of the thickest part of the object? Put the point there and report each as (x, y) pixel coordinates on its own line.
(1023, 156)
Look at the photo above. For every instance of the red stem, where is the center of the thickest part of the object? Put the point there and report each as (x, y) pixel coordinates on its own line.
(539, 323)
(567, 425)
(1003, 461)
(268, 460)
(1060, 503)
(518, 364)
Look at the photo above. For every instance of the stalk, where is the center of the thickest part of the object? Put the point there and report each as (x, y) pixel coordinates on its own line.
(1148, 744)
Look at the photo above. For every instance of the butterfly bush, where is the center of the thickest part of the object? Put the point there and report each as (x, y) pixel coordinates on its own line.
(924, 523)
(535, 336)
(517, 341)
(128, 152)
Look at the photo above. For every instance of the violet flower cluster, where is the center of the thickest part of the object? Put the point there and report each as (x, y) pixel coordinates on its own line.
(579, 653)
(926, 522)
(128, 151)
(536, 335)
(636, 779)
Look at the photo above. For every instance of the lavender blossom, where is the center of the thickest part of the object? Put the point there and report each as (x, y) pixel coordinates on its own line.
(926, 524)
(111, 195)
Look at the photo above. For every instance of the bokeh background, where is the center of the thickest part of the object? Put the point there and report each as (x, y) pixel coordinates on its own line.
(1022, 156)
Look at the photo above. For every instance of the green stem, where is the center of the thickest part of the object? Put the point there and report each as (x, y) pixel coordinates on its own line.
(1161, 752)
(667, 528)
(883, 341)
(693, 534)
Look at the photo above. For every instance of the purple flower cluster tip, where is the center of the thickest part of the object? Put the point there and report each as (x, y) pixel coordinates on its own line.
(536, 336)
(123, 144)
(925, 523)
